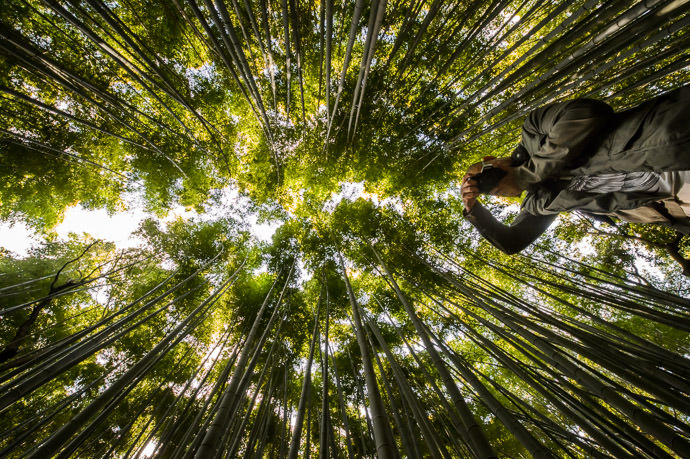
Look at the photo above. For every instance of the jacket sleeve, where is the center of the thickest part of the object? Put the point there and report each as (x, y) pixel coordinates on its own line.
(512, 238)
(558, 137)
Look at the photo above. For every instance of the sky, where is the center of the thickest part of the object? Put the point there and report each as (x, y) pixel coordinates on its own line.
(120, 226)
(117, 228)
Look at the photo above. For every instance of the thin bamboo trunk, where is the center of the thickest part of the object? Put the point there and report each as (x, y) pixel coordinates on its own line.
(385, 445)
(472, 431)
(210, 444)
(306, 389)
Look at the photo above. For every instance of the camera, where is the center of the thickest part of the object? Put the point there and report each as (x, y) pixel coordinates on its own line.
(488, 178)
(490, 175)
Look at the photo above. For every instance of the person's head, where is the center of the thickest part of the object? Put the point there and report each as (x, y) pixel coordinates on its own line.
(505, 184)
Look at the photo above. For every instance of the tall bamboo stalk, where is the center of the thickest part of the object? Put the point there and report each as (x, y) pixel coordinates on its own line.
(385, 445)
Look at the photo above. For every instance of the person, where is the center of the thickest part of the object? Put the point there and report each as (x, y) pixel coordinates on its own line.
(580, 155)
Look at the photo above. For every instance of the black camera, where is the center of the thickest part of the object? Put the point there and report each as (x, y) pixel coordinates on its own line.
(488, 178)
(490, 175)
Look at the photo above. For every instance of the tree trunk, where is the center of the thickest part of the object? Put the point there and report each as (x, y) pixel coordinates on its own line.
(385, 445)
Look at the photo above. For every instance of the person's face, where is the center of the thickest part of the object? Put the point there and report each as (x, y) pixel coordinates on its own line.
(506, 186)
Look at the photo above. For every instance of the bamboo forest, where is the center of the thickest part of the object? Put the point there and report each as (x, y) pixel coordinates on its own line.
(303, 283)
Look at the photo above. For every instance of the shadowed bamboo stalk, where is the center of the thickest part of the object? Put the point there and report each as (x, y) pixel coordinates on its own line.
(473, 432)
(598, 388)
(306, 389)
(406, 441)
(324, 440)
(239, 430)
(56, 441)
(435, 446)
(343, 413)
(212, 438)
(385, 445)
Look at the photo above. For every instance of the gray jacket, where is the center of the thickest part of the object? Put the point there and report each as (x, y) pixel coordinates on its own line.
(585, 137)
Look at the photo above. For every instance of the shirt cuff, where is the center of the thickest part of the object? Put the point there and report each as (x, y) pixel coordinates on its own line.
(477, 216)
(472, 214)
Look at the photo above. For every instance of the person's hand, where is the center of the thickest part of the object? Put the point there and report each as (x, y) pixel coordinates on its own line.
(507, 186)
(469, 191)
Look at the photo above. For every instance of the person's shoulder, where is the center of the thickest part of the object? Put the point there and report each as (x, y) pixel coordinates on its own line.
(572, 103)
(580, 108)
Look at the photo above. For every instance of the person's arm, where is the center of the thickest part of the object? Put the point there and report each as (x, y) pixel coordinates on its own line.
(559, 136)
(513, 238)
